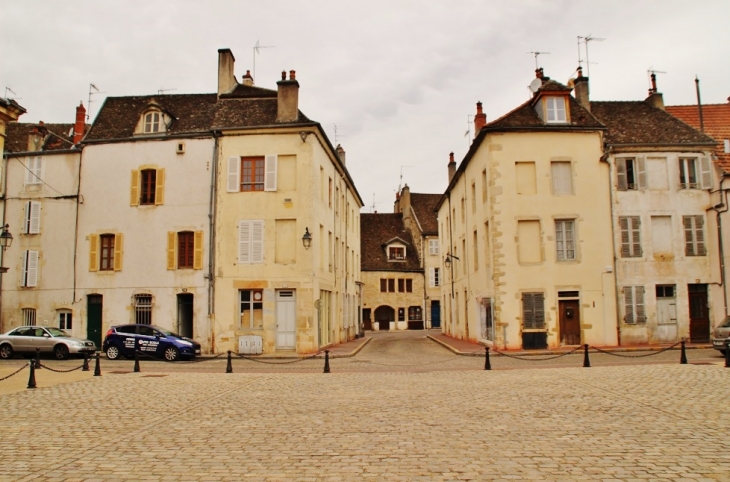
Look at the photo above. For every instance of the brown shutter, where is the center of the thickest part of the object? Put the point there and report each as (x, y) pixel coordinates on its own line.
(93, 252)
(641, 173)
(636, 236)
(134, 189)
(623, 184)
(639, 299)
(629, 304)
(688, 238)
(198, 258)
(625, 239)
(171, 238)
(160, 187)
(700, 235)
(118, 252)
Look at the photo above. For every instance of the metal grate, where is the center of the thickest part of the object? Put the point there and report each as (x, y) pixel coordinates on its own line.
(143, 309)
(29, 316)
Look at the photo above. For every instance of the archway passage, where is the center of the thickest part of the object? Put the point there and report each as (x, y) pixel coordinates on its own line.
(384, 315)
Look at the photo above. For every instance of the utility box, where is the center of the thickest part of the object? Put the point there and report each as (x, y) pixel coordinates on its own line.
(250, 345)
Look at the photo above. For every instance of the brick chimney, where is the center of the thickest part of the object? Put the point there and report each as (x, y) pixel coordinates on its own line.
(340, 153)
(655, 98)
(452, 166)
(80, 124)
(287, 99)
(226, 79)
(581, 90)
(480, 120)
(247, 80)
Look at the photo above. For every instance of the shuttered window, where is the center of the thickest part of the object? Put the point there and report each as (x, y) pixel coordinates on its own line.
(694, 236)
(147, 187)
(533, 311)
(251, 241)
(630, 236)
(631, 173)
(434, 278)
(29, 272)
(105, 252)
(32, 222)
(634, 311)
(433, 246)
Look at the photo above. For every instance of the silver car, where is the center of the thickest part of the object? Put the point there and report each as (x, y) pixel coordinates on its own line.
(720, 334)
(27, 339)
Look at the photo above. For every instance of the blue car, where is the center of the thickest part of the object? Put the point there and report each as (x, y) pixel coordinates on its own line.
(123, 340)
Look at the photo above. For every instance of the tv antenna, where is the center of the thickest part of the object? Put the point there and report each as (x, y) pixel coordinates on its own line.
(652, 78)
(372, 206)
(256, 51)
(400, 184)
(163, 90)
(338, 136)
(8, 89)
(536, 54)
(585, 40)
(468, 130)
(93, 90)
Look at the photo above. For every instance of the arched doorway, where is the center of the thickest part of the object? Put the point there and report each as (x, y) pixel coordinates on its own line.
(384, 315)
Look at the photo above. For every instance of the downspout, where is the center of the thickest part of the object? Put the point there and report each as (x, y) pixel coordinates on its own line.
(604, 158)
(76, 229)
(211, 240)
(6, 161)
(451, 268)
(723, 208)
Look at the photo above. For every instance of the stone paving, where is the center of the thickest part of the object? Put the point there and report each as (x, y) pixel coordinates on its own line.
(176, 422)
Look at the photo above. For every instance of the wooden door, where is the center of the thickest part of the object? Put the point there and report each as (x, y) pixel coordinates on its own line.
(94, 310)
(384, 315)
(699, 319)
(569, 322)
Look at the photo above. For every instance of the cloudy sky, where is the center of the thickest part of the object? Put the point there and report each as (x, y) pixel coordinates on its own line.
(394, 81)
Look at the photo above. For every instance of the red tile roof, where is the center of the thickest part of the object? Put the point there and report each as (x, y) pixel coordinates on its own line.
(716, 121)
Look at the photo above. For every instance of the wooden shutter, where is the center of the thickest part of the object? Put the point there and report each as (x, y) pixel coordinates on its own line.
(629, 304)
(621, 179)
(533, 310)
(234, 175)
(244, 241)
(700, 236)
(31, 278)
(160, 187)
(134, 189)
(623, 223)
(198, 257)
(257, 241)
(26, 220)
(705, 173)
(431, 277)
(93, 252)
(639, 302)
(34, 222)
(118, 252)
(171, 242)
(640, 173)
(270, 172)
(636, 236)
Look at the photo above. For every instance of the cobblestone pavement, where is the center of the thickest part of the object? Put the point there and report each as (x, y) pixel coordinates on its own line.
(634, 422)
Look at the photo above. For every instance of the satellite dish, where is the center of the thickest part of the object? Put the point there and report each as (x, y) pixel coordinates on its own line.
(571, 83)
(535, 85)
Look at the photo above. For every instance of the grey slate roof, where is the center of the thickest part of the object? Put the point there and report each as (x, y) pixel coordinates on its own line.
(375, 231)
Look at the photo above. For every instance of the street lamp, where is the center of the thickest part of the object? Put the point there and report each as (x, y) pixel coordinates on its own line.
(449, 257)
(6, 239)
(306, 239)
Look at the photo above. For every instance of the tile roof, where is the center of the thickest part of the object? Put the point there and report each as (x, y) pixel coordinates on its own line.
(639, 122)
(716, 122)
(525, 117)
(424, 207)
(242, 91)
(377, 229)
(59, 139)
(248, 112)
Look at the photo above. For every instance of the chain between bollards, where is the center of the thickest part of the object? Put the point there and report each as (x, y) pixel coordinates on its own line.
(31, 377)
(683, 356)
(586, 360)
(136, 361)
(487, 363)
(85, 368)
(229, 367)
(326, 361)
(97, 367)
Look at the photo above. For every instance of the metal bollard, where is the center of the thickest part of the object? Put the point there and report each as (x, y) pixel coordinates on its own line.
(97, 368)
(86, 363)
(586, 360)
(136, 361)
(683, 356)
(229, 367)
(487, 364)
(31, 378)
(326, 361)
(37, 359)
(727, 354)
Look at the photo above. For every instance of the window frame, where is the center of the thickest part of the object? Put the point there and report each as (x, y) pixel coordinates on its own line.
(555, 110)
(433, 247)
(394, 250)
(568, 245)
(29, 316)
(30, 268)
(147, 186)
(562, 185)
(34, 171)
(415, 313)
(143, 304)
(152, 122)
(65, 319)
(32, 219)
(254, 306)
(106, 252)
(251, 241)
(185, 250)
(630, 236)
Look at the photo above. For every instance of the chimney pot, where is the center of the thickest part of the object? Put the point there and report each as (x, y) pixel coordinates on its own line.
(283, 75)
(580, 72)
(80, 124)
(480, 120)
(452, 166)
(292, 75)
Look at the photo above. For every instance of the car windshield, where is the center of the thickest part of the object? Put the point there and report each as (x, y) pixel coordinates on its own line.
(56, 332)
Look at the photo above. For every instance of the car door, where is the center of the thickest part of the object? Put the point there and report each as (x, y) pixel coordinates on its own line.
(126, 339)
(43, 340)
(21, 339)
(147, 340)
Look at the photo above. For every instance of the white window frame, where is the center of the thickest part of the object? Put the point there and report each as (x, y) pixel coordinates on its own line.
(433, 247)
(702, 167)
(32, 221)
(152, 122)
(638, 168)
(35, 170)
(251, 241)
(29, 269)
(65, 320)
(256, 297)
(555, 110)
(434, 277)
(565, 236)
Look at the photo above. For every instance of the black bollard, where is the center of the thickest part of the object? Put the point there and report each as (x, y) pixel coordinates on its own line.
(86, 363)
(31, 378)
(586, 360)
(487, 364)
(326, 361)
(229, 367)
(37, 358)
(727, 355)
(683, 356)
(97, 368)
(136, 361)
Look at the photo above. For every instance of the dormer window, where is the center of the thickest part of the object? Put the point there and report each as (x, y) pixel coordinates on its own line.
(396, 253)
(555, 109)
(152, 122)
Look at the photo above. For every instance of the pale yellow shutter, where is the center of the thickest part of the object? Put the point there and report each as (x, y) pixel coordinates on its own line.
(160, 187)
(93, 252)
(118, 252)
(171, 249)
(198, 260)
(134, 189)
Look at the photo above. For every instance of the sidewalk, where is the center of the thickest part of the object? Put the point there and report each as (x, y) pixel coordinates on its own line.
(342, 350)
(469, 348)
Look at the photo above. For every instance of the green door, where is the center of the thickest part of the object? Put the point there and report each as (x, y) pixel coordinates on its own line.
(93, 319)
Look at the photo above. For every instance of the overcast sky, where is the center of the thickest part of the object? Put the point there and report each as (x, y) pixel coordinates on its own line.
(398, 78)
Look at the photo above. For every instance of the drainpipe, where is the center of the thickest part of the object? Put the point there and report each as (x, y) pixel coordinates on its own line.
(604, 158)
(211, 240)
(2, 251)
(720, 208)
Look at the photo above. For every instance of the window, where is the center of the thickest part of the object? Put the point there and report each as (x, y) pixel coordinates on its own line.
(401, 285)
(185, 250)
(695, 173)
(396, 253)
(433, 246)
(463, 210)
(329, 195)
(525, 178)
(251, 241)
(533, 311)
(555, 107)
(147, 187)
(32, 221)
(694, 236)
(529, 249)
(28, 316)
(247, 174)
(434, 277)
(415, 313)
(665, 291)
(105, 252)
(484, 185)
(34, 172)
(473, 197)
(29, 269)
(475, 247)
(143, 309)
(562, 177)
(65, 320)
(409, 286)
(383, 285)
(152, 122)
(630, 236)
(634, 304)
(252, 308)
(631, 174)
(565, 240)
(391, 285)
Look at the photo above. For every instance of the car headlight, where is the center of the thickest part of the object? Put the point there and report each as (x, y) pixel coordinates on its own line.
(184, 342)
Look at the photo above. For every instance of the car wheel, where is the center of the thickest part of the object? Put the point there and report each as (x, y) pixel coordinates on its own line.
(171, 353)
(6, 351)
(60, 352)
(112, 352)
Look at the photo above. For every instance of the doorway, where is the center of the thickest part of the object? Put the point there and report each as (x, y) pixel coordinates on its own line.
(286, 319)
(384, 315)
(367, 323)
(435, 314)
(94, 310)
(699, 319)
(569, 322)
(185, 314)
